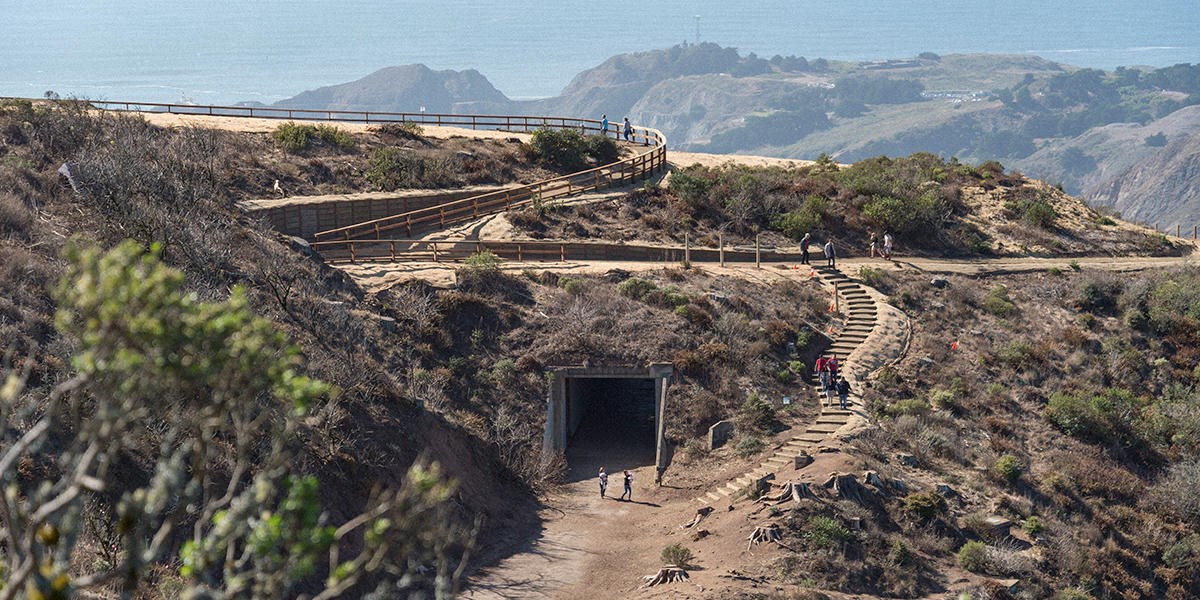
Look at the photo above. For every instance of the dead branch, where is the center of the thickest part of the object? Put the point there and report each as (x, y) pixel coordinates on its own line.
(700, 514)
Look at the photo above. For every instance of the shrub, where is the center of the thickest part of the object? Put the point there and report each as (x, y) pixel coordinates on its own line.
(504, 371)
(636, 288)
(484, 262)
(296, 138)
(973, 556)
(1073, 593)
(691, 188)
(924, 505)
(1015, 354)
(1033, 525)
(749, 445)
(15, 217)
(571, 285)
(809, 217)
(1103, 417)
(825, 533)
(872, 277)
(899, 553)
(756, 415)
(568, 149)
(911, 216)
(908, 406)
(677, 554)
(1008, 468)
(1177, 490)
(998, 304)
(942, 399)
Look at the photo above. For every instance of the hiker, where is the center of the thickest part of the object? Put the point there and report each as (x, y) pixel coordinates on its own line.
(874, 245)
(829, 393)
(628, 129)
(887, 245)
(822, 369)
(843, 392)
(830, 254)
(604, 125)
(628, 486)
(804, 248)
(603, 482)
(833, 367)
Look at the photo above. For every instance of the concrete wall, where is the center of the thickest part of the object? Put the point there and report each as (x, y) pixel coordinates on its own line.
(307, 215)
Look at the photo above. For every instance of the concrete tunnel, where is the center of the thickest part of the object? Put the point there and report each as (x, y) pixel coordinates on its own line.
(610, 416)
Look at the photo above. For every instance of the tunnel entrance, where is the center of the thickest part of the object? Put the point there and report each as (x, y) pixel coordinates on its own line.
(608, 416)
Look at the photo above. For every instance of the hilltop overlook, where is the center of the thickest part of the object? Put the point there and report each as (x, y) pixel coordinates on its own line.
(1022, 418)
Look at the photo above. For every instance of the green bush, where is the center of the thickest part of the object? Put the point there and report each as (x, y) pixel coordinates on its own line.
(504, 371)
(924, 505)
(899, 553)
(1034, 211)
(973, 556)
(636, 288)
(483, 263)
(571, 285)
(911, 216)
(1015, 353)
(1073, 593)
(1008, 468)
(942, 399)
(756, 415)
(1033, 525)
(809, 217)
(749, 445)
(568, 149)
(825, 533)
(688, 185)
(677, 554)
(998, 304)
(1103, 417)
(908, 406)
(296, 138)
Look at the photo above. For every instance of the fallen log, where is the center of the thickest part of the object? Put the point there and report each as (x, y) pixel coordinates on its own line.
(667, 574)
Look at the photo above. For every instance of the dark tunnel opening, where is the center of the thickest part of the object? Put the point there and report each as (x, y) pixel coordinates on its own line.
(610, 423)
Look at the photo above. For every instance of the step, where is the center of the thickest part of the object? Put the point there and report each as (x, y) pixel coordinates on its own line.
(822, 429)
(836, 411)
(714, 496)
(779, 461)
(811, 438)
(832, 420)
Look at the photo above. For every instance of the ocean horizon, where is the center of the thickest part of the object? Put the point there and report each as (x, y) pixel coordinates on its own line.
(223, 52)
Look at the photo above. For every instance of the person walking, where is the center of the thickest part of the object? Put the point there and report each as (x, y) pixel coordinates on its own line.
(628, 131)
(829, 393)
(628, 487)
(887, 245)
(603, 482)
(874, 245)
(604, 125)
(833, 365)
(830, 254)
(822, 369)
(843, 392)
(804, 248)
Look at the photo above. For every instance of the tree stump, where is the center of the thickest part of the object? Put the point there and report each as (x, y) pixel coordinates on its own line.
(667, 574)
(765, 533)
(847, 487)
(875, 480)
(794, 491)
(700, 514)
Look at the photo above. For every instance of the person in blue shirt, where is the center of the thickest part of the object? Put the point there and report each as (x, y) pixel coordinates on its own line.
(628, 129)
(604, 125)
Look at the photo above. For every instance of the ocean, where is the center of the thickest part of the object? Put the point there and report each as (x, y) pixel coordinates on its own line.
(225, 51)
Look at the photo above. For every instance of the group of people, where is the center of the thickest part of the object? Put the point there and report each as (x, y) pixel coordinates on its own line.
(627, 495)
(886, 250)
(626, 128)
(831, 252)
(832, 382)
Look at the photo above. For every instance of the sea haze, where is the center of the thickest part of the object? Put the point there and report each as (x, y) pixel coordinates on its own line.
(221, 51)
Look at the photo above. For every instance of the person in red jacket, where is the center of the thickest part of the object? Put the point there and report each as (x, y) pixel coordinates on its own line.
(822, 369)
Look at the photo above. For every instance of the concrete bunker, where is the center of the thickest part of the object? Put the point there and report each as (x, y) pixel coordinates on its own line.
(610, 416)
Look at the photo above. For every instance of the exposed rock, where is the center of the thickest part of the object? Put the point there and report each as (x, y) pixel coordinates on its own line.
(907, 460)
(939, 282)
(946, 491)
(803, 460)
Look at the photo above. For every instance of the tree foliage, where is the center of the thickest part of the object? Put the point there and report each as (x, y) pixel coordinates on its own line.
(221, 395)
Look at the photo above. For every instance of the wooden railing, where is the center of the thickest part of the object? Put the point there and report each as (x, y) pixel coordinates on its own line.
(641, 165)
(355, 251)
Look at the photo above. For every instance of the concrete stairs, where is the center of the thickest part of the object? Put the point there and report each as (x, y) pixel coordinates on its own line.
(860, 310)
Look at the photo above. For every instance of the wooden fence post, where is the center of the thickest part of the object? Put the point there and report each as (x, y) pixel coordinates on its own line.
(721, 247)
(687, 249)
(757, 255)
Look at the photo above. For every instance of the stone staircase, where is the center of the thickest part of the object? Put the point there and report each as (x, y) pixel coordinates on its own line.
(861, 312)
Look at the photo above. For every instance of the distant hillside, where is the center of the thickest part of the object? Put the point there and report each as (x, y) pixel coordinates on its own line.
(1121, 139)
(403, 89)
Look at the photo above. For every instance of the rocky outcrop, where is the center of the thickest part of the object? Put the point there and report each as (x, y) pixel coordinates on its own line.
(403, 89)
